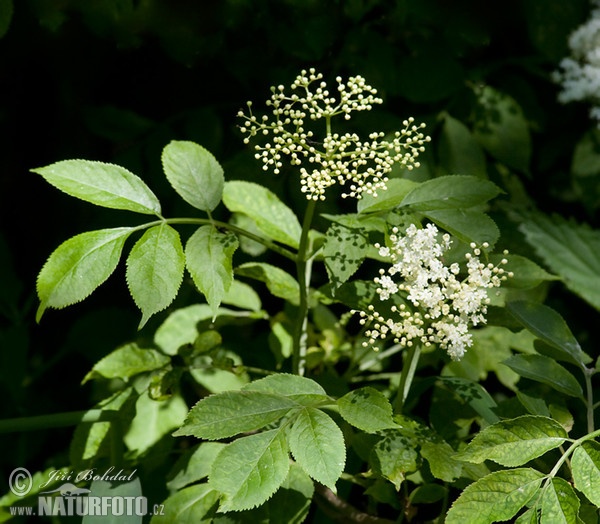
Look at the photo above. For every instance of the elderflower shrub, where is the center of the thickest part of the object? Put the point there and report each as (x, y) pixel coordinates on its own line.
(444, 306)
(344, 158)
(579, 74)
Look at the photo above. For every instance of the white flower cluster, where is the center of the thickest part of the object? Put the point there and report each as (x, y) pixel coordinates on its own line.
(444, 307)
(579, 74)
(341, 158)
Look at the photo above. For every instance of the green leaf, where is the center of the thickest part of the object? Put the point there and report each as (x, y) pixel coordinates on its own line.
(209, 255)
(78, 266)
(232, 412)
(559, 503)
(443, 460)
(367, 409)
(392, 197)
(125, 491)
(451, 192)
(279, 283)
(468, 225)
(193, 465)
(344, 251)
(585, 465)
(287, 385)
(155, 269)
(105, 185)
(459, 152)
(476, 396)
(249, 470)
(526, 273)
(515, 441)
(547, 371)
(501, 128)
(243, 296)
(496, 497)
(393, 456)
(271, 215)
(192, 505)
(127, 361)
(194, 173)
(318, 446)
(570, 250)
(153, 420)
(551, 328)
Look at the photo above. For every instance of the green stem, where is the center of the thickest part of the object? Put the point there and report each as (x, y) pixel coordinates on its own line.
(588, 373)
(224, 225)
(56, 420)
(411, 360)
(303, 272)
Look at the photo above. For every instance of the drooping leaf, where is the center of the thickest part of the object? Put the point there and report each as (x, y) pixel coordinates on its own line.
(551, 328)
(547, 371)
(442, 459)
(105, 185)
(459, 152)
(367, 409)
(475, 395)
(127, 361)
(279, 283)
(154, 419)
(397, 189)
(250, 469)
(194, 173)
(155, 269)
(193, 465)
(393, 456)
(232, 412)
(585, 465)
(271, 215)
(559, 504)
(501, 128)
(78, 266)
(243, 296)
(570, 250)
(451, 192)
(514, 442)
(468, 225)
(497, 497)
(208, 257)
(317, 444)
(191, 505)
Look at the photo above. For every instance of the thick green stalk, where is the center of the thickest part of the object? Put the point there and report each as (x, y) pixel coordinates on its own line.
(56, 420)
(303, 272)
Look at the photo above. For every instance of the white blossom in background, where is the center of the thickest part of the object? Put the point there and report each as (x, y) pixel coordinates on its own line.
(444, 305)
(359, 165)
(579, 74)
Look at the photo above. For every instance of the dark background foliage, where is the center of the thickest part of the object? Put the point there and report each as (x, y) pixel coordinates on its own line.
(116, 80)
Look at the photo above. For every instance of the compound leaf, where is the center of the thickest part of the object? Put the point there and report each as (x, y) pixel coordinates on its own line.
(367, 409)
(249, 470)
(155, 269)
(495, 497)
(208, 255)
(194, 173)
(271, 215)
(78, 266)
(232, 412)
(318, 446)
(585, 466)
(105, 185)
(516, 441)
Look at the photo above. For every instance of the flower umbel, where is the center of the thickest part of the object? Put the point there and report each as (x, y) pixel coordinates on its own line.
(440, 307)
(579, 74)
(360, 165)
